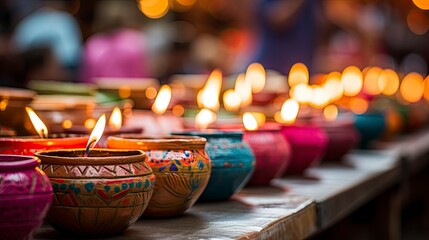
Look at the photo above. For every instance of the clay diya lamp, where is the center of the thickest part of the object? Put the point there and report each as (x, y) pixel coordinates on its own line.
(181, 165)
(308, 144)
(272, 151)
(342, 136)
(232, 160)
(30, 144)
(370, 126)
(25, 196)
(101, 194)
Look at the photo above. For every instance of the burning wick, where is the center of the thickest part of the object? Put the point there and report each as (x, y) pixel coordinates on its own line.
(96, 134)
(38, 124)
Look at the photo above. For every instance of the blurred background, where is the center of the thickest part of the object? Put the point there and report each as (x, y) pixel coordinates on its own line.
(68, 40)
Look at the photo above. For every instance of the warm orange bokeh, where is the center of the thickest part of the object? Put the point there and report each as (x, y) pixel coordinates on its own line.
(298, 74)
(412, 87)
(352, 81)
(358, 105)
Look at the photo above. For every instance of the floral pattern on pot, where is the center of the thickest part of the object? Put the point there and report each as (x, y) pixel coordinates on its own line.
(102, 194)
(181, 166)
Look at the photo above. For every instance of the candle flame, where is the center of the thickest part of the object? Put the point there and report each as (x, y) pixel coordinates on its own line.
(204, 118)
(358, 105)
(231, 100)
(392, 82)
(96, 133)
(38, 124)
(250, 122)
(255, 74)
(162, 100)
(208, 96)
(298, 74)
(301, 93)
(330, 112)
(244, 89)
(115, 120)
(289, 111)
(412, 87)
(352, 81)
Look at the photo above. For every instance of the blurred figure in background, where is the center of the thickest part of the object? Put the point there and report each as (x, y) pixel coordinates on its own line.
(287, 32)
(119, 48)
(51, 28)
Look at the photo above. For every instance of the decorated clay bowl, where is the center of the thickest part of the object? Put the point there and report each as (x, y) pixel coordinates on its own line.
(272, 153)
(342, 136)
(232, 163)
(308, 144)
(25, 196)
(181, 166)
(370, 126)
(32, 144)
(101, 194)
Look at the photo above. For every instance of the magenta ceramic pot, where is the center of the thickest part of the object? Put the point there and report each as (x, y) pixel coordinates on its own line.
(272, 153)
(308, 143)
(342, 137)
(25, 196)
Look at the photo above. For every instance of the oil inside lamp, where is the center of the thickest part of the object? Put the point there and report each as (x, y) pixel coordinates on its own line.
(96, 134)
(115, 120)
(38, 124)
(162, 100)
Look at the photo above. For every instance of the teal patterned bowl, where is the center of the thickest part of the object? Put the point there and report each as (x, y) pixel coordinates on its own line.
(233, 163)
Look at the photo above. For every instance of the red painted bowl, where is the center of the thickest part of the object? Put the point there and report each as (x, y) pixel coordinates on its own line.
(32, 144)
(308, 144)
(25, 196)
(272, 153)
(342, 137)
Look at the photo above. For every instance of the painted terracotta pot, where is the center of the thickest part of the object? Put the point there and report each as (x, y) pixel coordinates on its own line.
(101, 194)
(308, 144)
(181, 166)
(370, 126)
(342, 136)
(32, 144)
(232, 160)
(25, 196)
(272, 153)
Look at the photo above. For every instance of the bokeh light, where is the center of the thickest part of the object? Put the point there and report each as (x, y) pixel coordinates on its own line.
(412, 87)
(352, 81)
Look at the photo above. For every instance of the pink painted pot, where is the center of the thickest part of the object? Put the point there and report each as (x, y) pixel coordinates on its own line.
(308, 144)
(25, 196)
(272, 153)
(342, 137)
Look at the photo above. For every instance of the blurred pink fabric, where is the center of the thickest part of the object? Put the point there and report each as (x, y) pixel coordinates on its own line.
(121, 53)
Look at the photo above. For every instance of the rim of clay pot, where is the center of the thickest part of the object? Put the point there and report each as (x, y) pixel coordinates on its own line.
(145, 142)
(51, 137)
(14, 162)
(212, 133)
(98, 156)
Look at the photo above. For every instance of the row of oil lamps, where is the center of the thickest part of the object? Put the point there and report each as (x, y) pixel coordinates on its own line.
(103, 191)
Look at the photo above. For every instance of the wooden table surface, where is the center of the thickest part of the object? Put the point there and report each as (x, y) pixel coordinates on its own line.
(293, 207)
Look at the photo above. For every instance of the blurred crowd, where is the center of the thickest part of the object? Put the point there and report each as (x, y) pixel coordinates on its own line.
(77, 41)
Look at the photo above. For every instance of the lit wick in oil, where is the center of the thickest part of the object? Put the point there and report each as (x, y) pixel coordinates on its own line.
(38, 124)
(96, 134)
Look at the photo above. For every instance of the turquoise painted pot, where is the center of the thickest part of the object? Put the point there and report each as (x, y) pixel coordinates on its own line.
(233, 163)
(370, 126)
